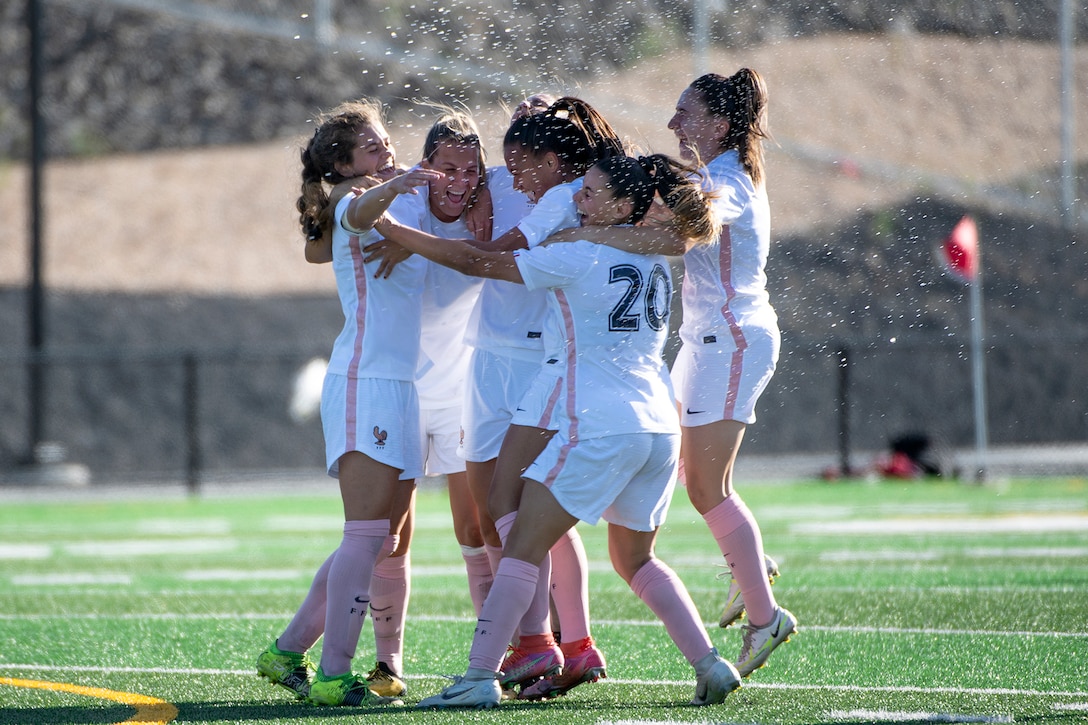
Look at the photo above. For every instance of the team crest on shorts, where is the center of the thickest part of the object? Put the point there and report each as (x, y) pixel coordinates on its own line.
(380, 436)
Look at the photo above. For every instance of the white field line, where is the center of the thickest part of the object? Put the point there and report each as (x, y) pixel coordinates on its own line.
(1038, 552)
(285, 616)
(607, 681)
(144, 547)
(70, 579)
(1016, 524)
(828, 514)
(883, 716)
(952, 591)
(231, 575)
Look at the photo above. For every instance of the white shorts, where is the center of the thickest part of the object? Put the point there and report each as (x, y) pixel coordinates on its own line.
(496, 384)
(541, 403)
(374, 416)
(627, 480)
(441, 431)
(723, 382)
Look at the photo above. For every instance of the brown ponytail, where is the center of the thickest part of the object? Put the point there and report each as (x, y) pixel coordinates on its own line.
(741, 99)
(640, 179)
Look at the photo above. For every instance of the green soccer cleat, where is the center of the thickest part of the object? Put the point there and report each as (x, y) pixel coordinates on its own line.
(290, 670)
(348, 689)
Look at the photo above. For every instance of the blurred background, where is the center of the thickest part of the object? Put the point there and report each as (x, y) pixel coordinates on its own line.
(156, 310)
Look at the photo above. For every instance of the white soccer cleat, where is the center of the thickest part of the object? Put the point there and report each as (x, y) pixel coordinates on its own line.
(714, 685)
(734, 600)
(759, 642)
(481, 694)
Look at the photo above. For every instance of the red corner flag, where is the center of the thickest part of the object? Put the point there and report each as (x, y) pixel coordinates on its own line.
(960, 250)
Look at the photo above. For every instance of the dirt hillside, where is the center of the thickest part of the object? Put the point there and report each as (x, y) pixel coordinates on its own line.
(219, 220)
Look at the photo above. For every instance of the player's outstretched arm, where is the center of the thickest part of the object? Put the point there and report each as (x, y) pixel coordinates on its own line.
(639, 239)
(365, 209)
(453, 253)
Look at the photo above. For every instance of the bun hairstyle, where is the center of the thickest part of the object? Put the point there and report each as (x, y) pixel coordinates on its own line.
(741, 99)
(641, 179)
(571, 129)
(333, 142)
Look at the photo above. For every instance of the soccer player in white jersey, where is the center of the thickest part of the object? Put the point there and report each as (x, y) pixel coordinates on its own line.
(369, 408)
(607, 323)
(546, 153)
(453, 149)
(730, 338)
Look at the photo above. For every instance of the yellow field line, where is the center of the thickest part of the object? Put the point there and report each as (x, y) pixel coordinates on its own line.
(149, 710)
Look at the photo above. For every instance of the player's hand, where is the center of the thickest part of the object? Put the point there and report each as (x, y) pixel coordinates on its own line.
(407, 182)
(390, 253)
(480, 215)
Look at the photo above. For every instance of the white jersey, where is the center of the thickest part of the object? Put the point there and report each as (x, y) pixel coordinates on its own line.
(607, 325)
(380, 338)
(508, 316)
(448, 300)
(725, 285)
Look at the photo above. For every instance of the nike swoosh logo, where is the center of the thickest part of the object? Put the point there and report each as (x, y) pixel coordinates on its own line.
(360, 600)
(375, 609)
(774, 632)
(695, 412)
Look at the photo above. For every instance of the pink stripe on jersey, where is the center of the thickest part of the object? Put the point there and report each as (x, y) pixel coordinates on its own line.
(736, 364)
(561, 461)
(357, 352)
(572, 415)
(572, 356)
(553, 398)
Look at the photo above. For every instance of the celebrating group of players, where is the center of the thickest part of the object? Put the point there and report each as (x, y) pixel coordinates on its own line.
(504, 326)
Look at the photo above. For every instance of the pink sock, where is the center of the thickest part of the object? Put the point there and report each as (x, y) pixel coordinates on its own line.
(478, 568)
(538, 614)
(738, 536)
(390, 588)
(503, 526)
(494, 556)
(349, 592)
(537, 618)
(665, 595)
(513, 590)
(388, 547)
(309, 621)
(570, 585)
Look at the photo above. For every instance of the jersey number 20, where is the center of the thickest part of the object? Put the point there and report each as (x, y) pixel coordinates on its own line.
(625, 316)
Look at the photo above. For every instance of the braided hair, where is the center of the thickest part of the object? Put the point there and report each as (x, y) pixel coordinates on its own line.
(333, 143)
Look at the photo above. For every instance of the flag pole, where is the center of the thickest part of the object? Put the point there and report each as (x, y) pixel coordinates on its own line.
(978, 375)
(961, 254)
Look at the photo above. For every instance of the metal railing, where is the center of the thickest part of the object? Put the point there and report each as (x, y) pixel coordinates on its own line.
(164, 413)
